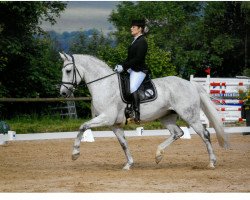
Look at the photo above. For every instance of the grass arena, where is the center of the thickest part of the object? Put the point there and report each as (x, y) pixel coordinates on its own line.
(46, 166)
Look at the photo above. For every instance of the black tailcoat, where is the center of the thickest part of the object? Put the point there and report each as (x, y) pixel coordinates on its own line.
(136, 55)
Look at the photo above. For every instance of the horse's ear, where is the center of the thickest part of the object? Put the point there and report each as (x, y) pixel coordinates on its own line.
(64, 56)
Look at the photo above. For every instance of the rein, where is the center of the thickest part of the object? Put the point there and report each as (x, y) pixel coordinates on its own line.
(75, 70)
(100, 78)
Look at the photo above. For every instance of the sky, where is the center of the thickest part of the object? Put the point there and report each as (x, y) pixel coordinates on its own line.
(84, 15)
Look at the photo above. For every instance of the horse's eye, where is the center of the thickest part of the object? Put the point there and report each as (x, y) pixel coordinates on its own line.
(68, 71)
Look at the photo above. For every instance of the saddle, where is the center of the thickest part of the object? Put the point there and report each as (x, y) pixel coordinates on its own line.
(147, 91)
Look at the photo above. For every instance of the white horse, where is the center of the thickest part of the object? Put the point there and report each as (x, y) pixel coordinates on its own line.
(174, 94)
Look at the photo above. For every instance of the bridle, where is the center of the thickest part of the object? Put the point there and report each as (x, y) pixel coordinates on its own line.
(75, 72)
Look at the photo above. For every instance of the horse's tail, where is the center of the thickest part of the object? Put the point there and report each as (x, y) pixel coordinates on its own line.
(210, 111)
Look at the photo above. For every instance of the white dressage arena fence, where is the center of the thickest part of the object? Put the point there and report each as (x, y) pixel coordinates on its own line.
(89, 136)
(225, 94)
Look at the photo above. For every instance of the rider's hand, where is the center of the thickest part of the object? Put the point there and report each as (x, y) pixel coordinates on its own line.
(118, 68)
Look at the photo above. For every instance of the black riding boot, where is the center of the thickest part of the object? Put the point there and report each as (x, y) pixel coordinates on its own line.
(136, 106)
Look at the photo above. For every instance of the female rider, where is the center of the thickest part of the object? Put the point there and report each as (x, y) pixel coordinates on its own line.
(135, 63)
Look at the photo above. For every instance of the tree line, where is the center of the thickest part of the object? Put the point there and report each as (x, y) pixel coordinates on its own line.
(184, 38)
(196, 34)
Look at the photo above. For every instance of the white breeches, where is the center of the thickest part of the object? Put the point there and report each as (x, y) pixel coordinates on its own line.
(136, 79)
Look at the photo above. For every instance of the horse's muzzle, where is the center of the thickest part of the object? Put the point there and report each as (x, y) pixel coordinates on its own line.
(66, 91)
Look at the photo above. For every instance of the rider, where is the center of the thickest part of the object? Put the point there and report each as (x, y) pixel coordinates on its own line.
(135, 63)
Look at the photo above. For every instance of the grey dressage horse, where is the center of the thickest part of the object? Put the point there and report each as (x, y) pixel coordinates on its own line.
(174, 94)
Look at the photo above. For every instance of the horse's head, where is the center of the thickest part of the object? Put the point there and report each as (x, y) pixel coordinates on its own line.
(70, 75)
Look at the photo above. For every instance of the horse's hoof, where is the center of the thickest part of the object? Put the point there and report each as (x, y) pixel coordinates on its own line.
(127, 166)
(159, 156)
(211, 166)
(75, 156)
(158, 159)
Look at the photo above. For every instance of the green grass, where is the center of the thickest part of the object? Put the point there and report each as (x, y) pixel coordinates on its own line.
(43, 124)
(33, 124)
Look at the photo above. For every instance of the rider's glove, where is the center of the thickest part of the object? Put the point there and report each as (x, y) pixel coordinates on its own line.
(118, 69)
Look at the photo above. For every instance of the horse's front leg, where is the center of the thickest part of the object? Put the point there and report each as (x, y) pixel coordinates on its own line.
(119, 132)
(100, 120)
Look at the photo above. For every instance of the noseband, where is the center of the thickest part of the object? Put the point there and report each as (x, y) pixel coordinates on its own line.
(76, 71)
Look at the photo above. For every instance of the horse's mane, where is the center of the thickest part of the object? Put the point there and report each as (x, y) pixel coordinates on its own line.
(100, 62)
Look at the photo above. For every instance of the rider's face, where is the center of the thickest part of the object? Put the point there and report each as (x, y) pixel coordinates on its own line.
(136, 31)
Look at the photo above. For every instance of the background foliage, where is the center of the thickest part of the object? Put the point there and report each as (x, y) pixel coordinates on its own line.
(197, 34)
(28, 65)
(184, 39)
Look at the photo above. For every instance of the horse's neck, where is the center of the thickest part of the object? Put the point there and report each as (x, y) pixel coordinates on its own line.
(92, 70)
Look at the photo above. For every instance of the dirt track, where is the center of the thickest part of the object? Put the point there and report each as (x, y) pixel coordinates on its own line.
(46, 166)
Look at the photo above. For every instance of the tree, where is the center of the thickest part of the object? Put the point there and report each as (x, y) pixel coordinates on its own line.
(162, 17)
(224, 34)
(90, 44)
(28, 65)
(158, 60)
(246, 10)
(79, 44)
(45, 73)
(197, 34)
(19, 22)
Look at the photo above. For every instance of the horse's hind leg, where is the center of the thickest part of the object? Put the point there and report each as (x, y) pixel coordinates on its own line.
(169, 122)
(191, 114)
(205, 136)
(119, 132)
